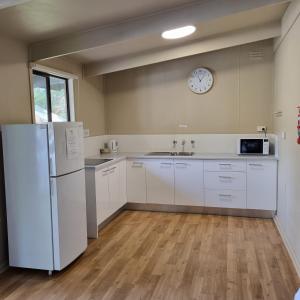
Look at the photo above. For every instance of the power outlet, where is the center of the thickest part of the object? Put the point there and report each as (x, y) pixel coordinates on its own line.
(86, 132)
(261, 128)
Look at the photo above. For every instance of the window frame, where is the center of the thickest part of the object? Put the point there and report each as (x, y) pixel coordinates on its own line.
(48, 92)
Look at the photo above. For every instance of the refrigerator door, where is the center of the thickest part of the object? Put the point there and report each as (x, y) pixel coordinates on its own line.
(28, 202)
(66, 152)
(68, 217)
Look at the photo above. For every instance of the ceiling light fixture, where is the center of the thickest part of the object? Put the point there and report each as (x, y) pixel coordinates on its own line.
(178, 33)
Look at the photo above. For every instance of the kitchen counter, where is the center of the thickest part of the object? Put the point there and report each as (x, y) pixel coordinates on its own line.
(116, 157)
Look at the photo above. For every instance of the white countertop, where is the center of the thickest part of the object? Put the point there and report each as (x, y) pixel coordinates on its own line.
(205, 156)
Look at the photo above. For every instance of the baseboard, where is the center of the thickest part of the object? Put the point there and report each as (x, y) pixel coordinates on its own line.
(251, 213)
(3, 266)
(288, 246)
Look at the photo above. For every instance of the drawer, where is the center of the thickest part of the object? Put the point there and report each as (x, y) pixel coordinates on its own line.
(225, 180)
(225, 165)
(225, 198)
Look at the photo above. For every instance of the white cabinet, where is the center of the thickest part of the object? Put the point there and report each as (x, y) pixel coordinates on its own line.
(102, 195)
(189, 189)
(123, 189)
(114, 189)
(105, 194)
(136, 181)
(160, 181)
(261, 185)
(225, 183)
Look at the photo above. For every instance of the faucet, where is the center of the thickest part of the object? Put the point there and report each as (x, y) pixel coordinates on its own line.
(193, 143)
(183, 144)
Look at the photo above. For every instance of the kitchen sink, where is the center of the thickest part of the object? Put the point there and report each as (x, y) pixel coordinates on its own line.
(170, 154)
(95, 161)
(160, 153)
(185, 153)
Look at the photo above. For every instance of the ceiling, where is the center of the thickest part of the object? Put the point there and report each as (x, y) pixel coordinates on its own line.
(110, 35)
(247, 19)
(38, 20)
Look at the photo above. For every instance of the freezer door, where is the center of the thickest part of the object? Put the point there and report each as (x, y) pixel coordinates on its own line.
(66, 152)
(69, 218)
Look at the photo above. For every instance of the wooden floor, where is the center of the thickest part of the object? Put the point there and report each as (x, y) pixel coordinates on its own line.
(144, 255)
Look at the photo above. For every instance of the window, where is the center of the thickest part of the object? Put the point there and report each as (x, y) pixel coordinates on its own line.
(51, 98)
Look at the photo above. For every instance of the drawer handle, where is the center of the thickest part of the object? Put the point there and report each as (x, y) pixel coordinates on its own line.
(137, 165)
(181, 165)
(224, 197)
(225, 177)
(256, 165)
(112, 170)
(225, 165)
(104, 173)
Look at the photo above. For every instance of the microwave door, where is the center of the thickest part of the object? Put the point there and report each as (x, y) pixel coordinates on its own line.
(253, 146)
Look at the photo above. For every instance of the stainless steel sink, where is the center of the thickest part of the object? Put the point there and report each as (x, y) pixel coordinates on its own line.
(170, 154)
(95, 161)
(160, 153)
(185, 153)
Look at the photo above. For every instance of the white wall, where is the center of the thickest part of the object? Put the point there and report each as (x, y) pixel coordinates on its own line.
(287, 98)
(204, 143)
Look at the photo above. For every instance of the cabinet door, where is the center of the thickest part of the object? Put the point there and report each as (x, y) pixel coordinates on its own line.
(261, 185)
(114, 189)
(123, 197)
(189, 182)
(102, 195)
(136, 181)
(160, 181)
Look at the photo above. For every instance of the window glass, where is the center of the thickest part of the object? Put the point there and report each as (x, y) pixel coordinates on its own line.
(40, 98)
(51, 98)
(59, 99)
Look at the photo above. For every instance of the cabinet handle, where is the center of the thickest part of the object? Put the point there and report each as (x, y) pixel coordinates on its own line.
(225, 165)
(104, 173)
(225, 177)
(112, 169)
(181, 165)
(225, 197)
(137, 165)
(256, 165)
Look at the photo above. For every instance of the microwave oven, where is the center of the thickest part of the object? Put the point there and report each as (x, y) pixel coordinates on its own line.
(253, 146)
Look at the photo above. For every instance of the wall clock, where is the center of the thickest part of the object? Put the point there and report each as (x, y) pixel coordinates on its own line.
(201, 80)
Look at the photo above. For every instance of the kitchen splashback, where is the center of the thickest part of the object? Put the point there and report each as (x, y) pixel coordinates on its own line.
(204, 143)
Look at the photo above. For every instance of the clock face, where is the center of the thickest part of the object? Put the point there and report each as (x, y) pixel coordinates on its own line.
(201, 80)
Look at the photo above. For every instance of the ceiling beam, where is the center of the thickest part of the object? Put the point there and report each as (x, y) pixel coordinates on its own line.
(9, 3)
(154, 24)
(231, 39)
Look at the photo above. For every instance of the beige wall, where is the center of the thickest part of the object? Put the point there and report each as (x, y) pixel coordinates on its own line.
(14, 108)
(14, 82)
(155, 99)
(287, 98)
(89, 98)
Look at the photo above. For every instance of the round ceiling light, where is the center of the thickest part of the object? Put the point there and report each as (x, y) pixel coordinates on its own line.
(178, 33)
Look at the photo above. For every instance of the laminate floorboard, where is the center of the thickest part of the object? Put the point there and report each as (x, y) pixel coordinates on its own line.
(169, 256)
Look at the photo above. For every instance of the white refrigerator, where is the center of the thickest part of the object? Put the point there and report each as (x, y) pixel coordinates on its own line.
(45, 194)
